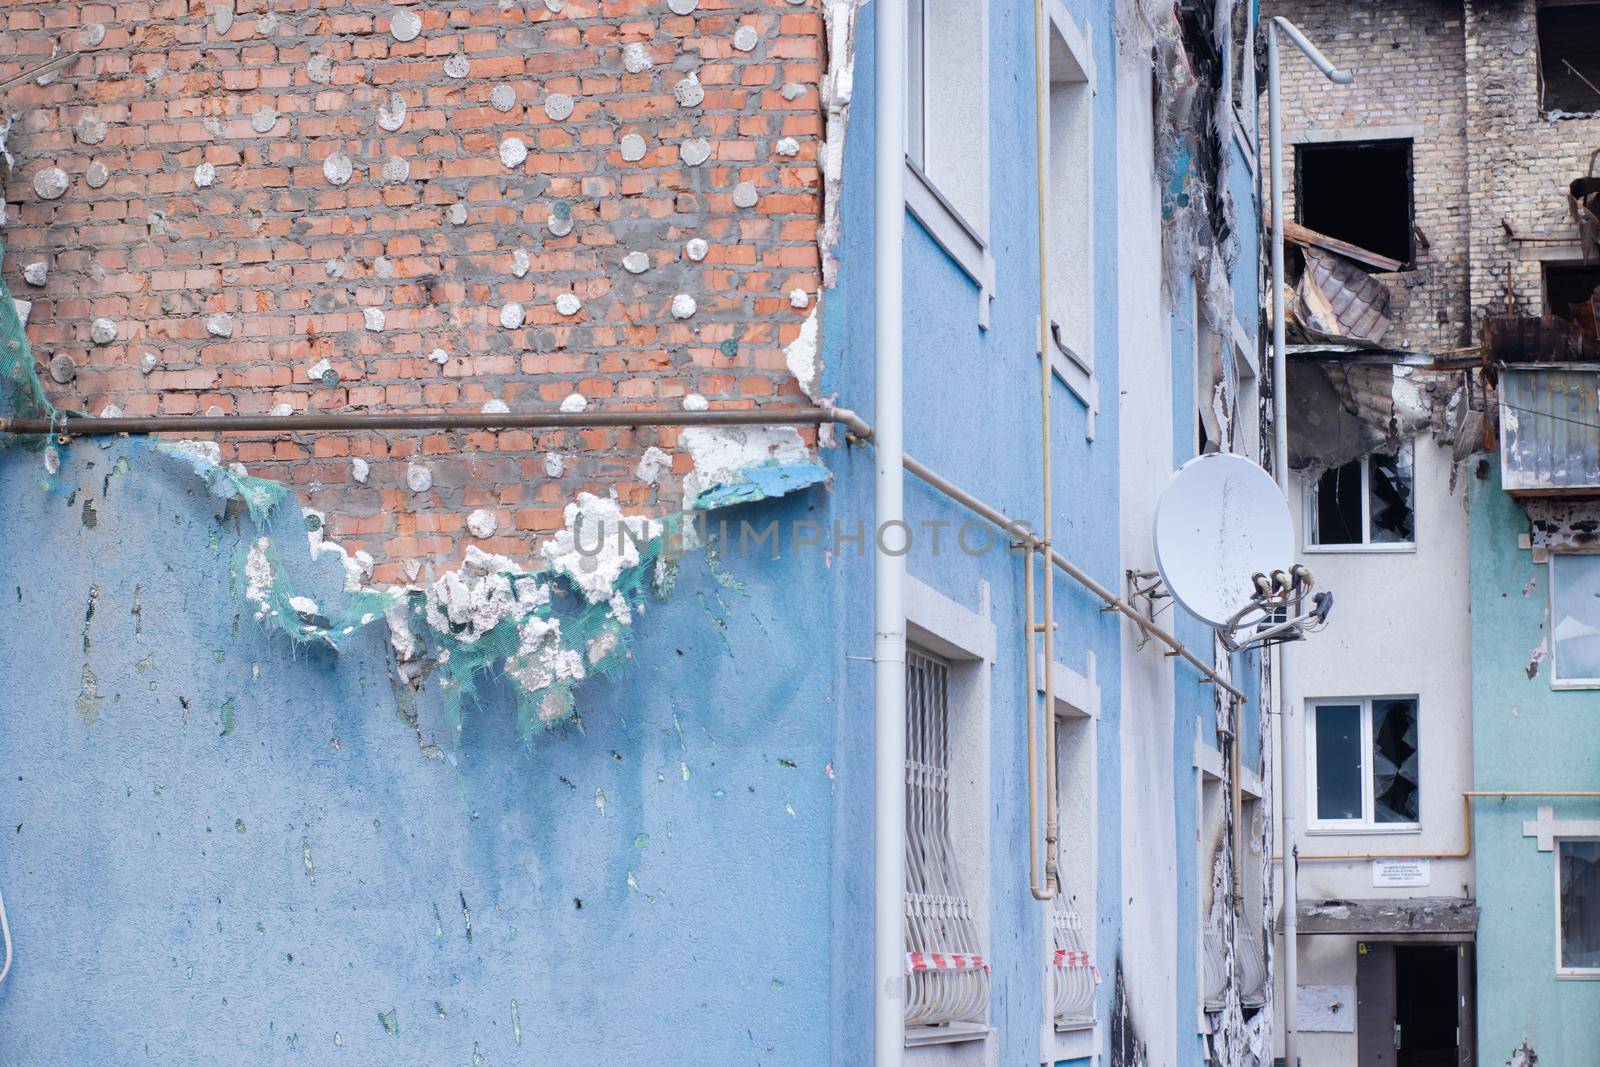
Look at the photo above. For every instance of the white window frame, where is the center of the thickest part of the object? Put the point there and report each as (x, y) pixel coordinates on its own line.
(1562, 970)
(1368, 823)
(1077, 710)
(1071, 74)
(1308, 502)
(1556, 681)
(964, 239)
(967, 640)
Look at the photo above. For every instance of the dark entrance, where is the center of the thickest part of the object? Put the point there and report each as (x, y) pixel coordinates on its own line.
(1414, 1004)
(1426, 1012)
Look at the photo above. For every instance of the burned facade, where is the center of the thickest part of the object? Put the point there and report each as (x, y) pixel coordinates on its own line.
(1442, 419)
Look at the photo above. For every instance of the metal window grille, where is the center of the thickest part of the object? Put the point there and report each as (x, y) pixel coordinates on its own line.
(938, 915)
(1073, 976)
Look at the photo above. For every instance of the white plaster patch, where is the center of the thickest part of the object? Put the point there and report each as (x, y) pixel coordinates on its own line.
(568, 304)
(258, 577)
(512, 316)
(798, 298)
(220, 325)
(91, 128)
(319, 68)
(682, 7)
(633, 263)
(315, 372)
(554, 465)
(337, 168)
(393, 117)
(205, 175)
(559, 225)
(405, 25)
(636, 58)
(695, 151)
(96, 175)
(744, 195)
(419, 477)
(745, 38)
(683, 306)
(502, 98)
(335, 268)
(102, 331)
(558, 106)
(372, 319)
(469, 602)
(520, 262)
(694, 402)
(575, 402)
(696, 249)
(278, 411)
(396, 169)
(632, 148)
(36, 273)
(652, 465)
(264, 119)
(800, 355)
(481, 523)
(92, 35)
(513, 152)
(458, 214)
(457, 66)
(787, 146)
(689, 92)
(439, 356)
(148, 362)
(598, 544)
(50, 183)
(383, 267)
(359, 470)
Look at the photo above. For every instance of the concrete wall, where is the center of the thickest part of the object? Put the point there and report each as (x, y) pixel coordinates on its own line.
(1526, 736)
(1400, 626)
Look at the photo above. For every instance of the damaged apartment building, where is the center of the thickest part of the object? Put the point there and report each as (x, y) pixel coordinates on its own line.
(1445, 433)
(439, 444)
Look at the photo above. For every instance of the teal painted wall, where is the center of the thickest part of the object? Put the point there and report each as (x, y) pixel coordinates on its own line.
(1526, 736)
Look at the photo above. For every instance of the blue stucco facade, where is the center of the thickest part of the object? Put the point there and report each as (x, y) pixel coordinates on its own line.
(220, 849)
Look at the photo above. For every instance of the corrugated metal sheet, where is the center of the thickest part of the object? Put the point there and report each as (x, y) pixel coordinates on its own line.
(1549, 430)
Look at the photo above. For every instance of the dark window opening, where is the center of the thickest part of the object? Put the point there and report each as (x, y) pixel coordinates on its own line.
(1569, 293)
(1367, 501)
(1394, 761)
(1357, 191)
(1339, 506)
(1569, 58)
(1390, 491)
(1580, 904)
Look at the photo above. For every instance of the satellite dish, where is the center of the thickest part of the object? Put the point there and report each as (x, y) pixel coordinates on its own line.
(1220, 521)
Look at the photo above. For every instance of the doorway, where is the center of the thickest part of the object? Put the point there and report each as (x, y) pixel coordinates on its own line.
(1425, 1008)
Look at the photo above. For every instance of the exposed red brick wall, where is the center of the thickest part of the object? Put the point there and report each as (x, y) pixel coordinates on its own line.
(158, 256)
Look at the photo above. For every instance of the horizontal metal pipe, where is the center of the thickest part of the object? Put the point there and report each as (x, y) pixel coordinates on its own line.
(85, 426)
(1466, 848)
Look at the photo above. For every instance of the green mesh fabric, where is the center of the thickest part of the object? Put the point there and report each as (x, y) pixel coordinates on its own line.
(544, 632)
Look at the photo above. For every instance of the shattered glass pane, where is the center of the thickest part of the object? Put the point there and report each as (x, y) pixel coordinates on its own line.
(1394, 761)
(1338, 506)
(1580, 903)
(1338, 729)
(1389, 485)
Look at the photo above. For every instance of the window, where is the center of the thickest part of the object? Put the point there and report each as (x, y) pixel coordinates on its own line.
(1363, 756)
(1073, 974)
(1367, 501)
(1569, 292)
(1569, 58)
(1575, 616)
(951, 995)
(1357, 191)
(1070, 162)
(1242, 72)
(1578, 900)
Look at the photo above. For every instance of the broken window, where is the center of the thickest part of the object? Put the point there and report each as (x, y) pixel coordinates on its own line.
(1575, 611)
(1363, 756)
(1358, 192)
(1569, 58)
(1569, 293)
(1578, 883)
(1367, 501)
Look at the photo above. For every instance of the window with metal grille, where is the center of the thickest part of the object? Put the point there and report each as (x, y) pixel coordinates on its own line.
(949, 982)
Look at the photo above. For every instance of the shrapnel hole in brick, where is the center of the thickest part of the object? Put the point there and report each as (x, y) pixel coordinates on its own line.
(1569, 58)
(1358, 191)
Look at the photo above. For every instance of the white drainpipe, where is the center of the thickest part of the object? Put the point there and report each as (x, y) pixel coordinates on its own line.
(1280, 435)
(889, 570)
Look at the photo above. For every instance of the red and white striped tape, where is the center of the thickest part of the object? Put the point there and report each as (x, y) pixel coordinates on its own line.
(1067, 958)
(943, 961)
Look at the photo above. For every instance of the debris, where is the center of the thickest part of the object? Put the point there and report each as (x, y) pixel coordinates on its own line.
(1301, 235)
(1337, 301)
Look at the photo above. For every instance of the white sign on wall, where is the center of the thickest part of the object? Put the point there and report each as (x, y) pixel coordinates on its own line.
(1400, 874)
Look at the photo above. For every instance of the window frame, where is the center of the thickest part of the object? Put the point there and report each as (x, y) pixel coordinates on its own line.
(1562, 970)
(1312, 146)
(1546, 112)
(1557, 682)
(1367, 823)
(1070, 73)
(1308, 503)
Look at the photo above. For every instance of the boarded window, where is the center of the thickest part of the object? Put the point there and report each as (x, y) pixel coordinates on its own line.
(1367, 501)
(1569, 58)
(1357, 191)
(1578, 881)
(1364, 761)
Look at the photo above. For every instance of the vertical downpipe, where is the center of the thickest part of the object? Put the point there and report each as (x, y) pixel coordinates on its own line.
(1280, 467)
(889, 617)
